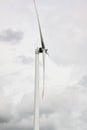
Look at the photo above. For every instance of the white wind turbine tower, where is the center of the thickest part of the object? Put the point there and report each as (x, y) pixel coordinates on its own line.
(42, 50)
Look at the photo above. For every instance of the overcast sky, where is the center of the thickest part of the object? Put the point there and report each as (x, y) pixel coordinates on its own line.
(64, 27)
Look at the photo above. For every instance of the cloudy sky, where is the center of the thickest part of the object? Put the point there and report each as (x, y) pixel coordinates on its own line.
(64, 27)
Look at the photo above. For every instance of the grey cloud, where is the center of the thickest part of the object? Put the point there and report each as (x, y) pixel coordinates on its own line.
(65, 107)
(83, 116)
(45, 127)
(4, 120)
(25, 108)
(15, 128)
(5, 109)
(67, 112)
(8, 78)
(10, 35)
(47, 109)
(71, 106)
(24, 60)
(48, 127)
(83, 81)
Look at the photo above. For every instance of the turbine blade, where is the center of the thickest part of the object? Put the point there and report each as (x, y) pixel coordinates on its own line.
(41, 37)
(43, 56)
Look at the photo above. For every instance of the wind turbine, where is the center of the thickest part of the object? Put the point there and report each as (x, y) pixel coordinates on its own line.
(39, 50)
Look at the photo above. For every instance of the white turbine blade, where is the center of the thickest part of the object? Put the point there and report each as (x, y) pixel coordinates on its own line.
(41, 37)
(43, 56)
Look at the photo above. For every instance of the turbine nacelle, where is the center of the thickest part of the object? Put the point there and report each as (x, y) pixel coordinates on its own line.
(41, 50)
